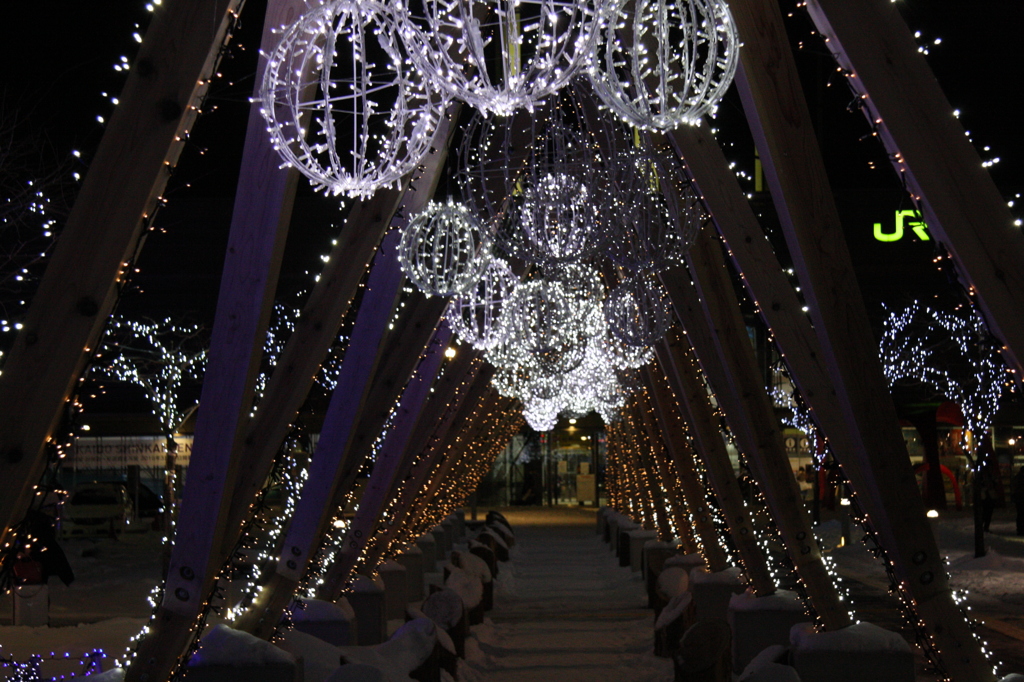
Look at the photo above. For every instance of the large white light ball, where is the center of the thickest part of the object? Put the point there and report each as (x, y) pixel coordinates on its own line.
(503, 55)
(673, 65)
(474, 315)
(342, 104)
(443, 250)
(637, 311)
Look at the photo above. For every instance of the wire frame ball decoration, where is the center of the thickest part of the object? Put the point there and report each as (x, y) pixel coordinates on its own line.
(341, 103)
(679, 58)
(474, 316)
(637, 311)
(443, 250)
(538, 182)
(502, 55)
(656, 213)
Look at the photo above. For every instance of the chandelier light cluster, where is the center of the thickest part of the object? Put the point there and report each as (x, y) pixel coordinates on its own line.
(567, 335)
(563, 213)
(354, 90)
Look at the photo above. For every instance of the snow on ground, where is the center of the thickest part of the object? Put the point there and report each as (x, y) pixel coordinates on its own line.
(571, 614)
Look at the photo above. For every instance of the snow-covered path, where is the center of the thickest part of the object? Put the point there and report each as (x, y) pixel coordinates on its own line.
(567, 613)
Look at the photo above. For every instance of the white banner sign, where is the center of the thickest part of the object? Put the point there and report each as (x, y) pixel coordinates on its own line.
(117, 452)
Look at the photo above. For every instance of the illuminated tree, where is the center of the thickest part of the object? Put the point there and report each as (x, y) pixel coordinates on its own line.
(158, 357)
(954, 353)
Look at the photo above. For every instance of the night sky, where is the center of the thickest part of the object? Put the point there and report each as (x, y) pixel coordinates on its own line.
(58, 58)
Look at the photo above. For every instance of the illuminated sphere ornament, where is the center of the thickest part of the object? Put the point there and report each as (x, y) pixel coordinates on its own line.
(680, 58)
(637, 311)
(443, 250)
(474, 315)
(652, 233)
(502, 55)
(537, 182)
(341, 102)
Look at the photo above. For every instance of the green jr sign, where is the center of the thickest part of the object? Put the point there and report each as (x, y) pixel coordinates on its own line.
(904, 220)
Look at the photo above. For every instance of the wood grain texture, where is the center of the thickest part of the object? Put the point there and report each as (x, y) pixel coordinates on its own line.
(751, 416)
(103, 232)
(780, 123)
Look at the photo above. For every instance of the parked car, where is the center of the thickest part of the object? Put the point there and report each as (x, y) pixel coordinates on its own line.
(97, 508)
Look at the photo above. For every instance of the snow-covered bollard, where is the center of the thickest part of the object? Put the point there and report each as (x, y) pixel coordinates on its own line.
(439, 539)
(502, 530)
(675, 619)
(859, 652)
(670, 583)
(771, 665)
(655, 553)
(760, 622)
(459, 517)
(228, 655)
(602, 520)
(447, 610)
(622, 544)
(428, 545)
(475, 566)
(704, 653)
(637, 539)
(481, 550)
(367, 600)
(493, 539)
(413, 651)
(712, 591)
(471, 589)
(615, 519)
(333, 622)
(394, 577)
(451, 532)
(412, 558)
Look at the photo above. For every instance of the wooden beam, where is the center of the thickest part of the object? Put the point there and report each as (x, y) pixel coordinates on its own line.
(672, 430)
(751, 415)
(676, 361)
(259, 227)
(126, 179)
(654, 482)
(423, 404)
(433, 459)
(669, 480)
(322, 315)
(933, 156)
(780, 122)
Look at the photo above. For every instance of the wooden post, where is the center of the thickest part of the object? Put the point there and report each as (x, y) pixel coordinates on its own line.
(322, 315)
(656, 483)
(780, 122)
(422, 405)
(742, 394)
(259, 226)
(433, 460)
(929, 149)
(687, 497)
(126, 179)
(672, 430)
(683, 376)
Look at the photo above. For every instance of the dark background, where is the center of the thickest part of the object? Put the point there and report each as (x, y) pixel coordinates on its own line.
(58, 58)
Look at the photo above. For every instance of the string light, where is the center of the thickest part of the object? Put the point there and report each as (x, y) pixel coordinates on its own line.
(374, 117)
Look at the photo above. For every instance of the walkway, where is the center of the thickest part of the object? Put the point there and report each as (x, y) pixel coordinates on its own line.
(565, 611)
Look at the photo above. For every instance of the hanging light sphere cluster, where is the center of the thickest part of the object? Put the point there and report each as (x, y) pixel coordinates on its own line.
(473, 317)
(668, 64)
(502, 55)
(637, 311)
(649, 235)
(341, 102)
(443, 250)
(354, 90)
